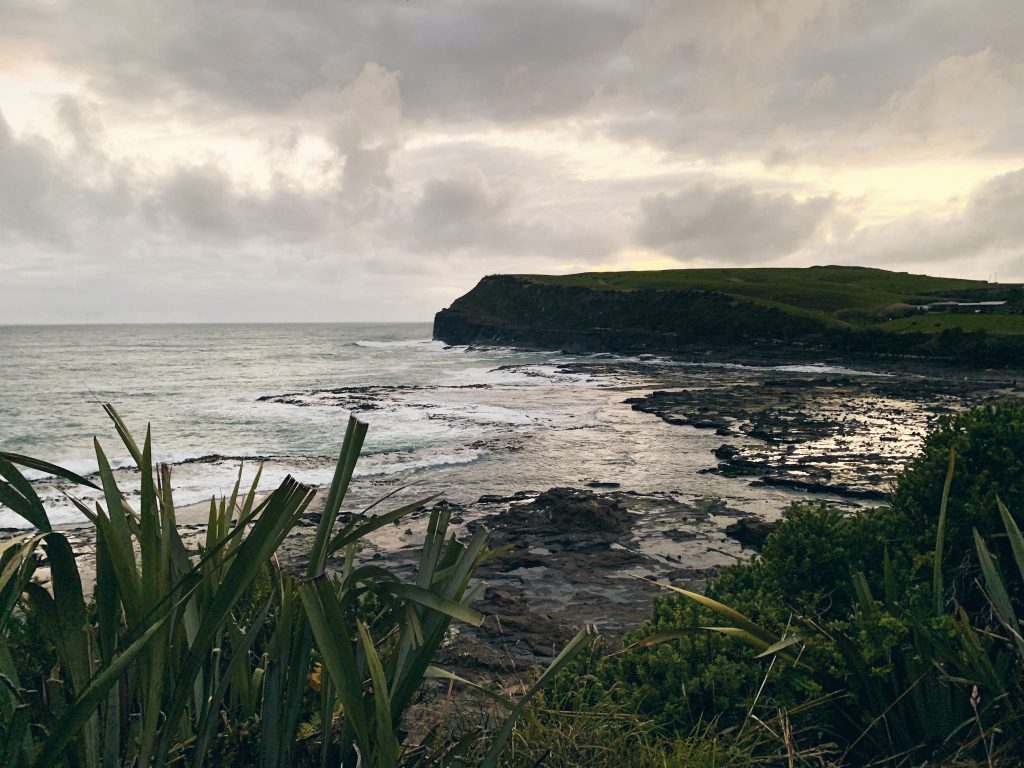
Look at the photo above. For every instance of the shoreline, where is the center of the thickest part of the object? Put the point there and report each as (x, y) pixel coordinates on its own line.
(559, 576)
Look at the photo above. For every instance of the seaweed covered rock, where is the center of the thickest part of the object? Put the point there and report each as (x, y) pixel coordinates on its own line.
(574, 508)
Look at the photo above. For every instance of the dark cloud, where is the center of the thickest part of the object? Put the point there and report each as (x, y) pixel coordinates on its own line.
(201, 202)
(730, 223)
(995, 210)
(492, 220)
(459, 212)
(31, 193)
(709, 77)
(730, 77)
(79, 122)
(203, 205)
(506, 61)
(401, 146)
(462, 60)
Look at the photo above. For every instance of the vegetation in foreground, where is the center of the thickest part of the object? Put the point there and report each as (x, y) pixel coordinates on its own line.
(889, 637)
(221, 658)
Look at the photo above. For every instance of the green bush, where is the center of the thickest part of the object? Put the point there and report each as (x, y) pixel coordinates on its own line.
(700, 676)
(886, 667)
(988, 442)
(30, 652)
(809, 560)
(581, 723)
(806, 570)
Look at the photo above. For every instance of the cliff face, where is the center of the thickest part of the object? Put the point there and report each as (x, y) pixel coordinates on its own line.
(514, 310)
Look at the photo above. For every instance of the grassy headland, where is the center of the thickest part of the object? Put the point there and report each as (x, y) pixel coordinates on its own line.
(844, 310)
(838, 296)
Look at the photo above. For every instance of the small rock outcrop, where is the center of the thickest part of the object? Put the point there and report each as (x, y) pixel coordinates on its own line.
(750, 531)
(576, 509)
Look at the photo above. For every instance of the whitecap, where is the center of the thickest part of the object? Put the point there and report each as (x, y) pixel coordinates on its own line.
(403, 343)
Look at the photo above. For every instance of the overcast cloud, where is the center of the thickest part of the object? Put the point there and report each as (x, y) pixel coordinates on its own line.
(182, 161)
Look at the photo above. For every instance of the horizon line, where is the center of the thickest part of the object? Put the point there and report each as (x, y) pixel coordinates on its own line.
(110, 323)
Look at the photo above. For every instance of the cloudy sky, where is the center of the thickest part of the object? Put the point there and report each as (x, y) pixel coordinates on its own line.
(178, 160)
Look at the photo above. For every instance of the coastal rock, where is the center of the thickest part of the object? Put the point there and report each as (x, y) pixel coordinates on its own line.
(750, 531)
(490, 498)
(567, 559)
(576, 509)
(810, 486)
(802, 431)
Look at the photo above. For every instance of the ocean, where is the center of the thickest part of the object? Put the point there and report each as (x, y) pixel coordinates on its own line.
(466, 422)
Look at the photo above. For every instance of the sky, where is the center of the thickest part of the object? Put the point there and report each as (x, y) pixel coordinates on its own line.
(187, 161)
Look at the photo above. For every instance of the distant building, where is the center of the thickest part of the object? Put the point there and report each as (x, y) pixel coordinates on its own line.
(964, 307)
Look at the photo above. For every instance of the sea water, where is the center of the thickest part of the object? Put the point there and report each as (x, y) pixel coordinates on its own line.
(462, 421)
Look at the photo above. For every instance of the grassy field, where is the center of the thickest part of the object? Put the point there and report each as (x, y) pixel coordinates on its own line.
(936, 323)
(855, 297)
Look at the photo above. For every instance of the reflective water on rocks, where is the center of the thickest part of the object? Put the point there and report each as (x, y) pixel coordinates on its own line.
(682, 449)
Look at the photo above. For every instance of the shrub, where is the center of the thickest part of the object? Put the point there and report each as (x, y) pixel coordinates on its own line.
(581, 723)
(988, 443)
(887, 668)
(809, 560)
(222, 657)
(698, 676)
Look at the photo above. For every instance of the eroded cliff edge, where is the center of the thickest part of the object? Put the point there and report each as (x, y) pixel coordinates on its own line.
(533, 312)
(518, 311)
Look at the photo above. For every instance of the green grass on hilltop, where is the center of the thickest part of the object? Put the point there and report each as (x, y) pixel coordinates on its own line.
(838, 296)
(936, 323)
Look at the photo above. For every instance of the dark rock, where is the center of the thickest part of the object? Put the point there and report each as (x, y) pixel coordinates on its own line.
(809, 485)
(705, 422)
(680, 535)
(575, 509)
(750, 531)
(726, 452)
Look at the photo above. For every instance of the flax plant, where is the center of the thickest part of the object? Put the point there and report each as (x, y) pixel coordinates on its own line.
(179, 652)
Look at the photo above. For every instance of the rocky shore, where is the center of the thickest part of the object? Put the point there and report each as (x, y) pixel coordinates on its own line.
(578, 553)
(800, 430)
(574, 556)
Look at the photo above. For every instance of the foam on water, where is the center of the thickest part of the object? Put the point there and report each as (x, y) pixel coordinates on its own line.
(536, 375)
(371, 467)
(200, 388)
(794, 368)
(431, 406)
(424, 344)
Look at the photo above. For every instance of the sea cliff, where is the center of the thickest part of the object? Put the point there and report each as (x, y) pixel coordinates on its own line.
(846, 311)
